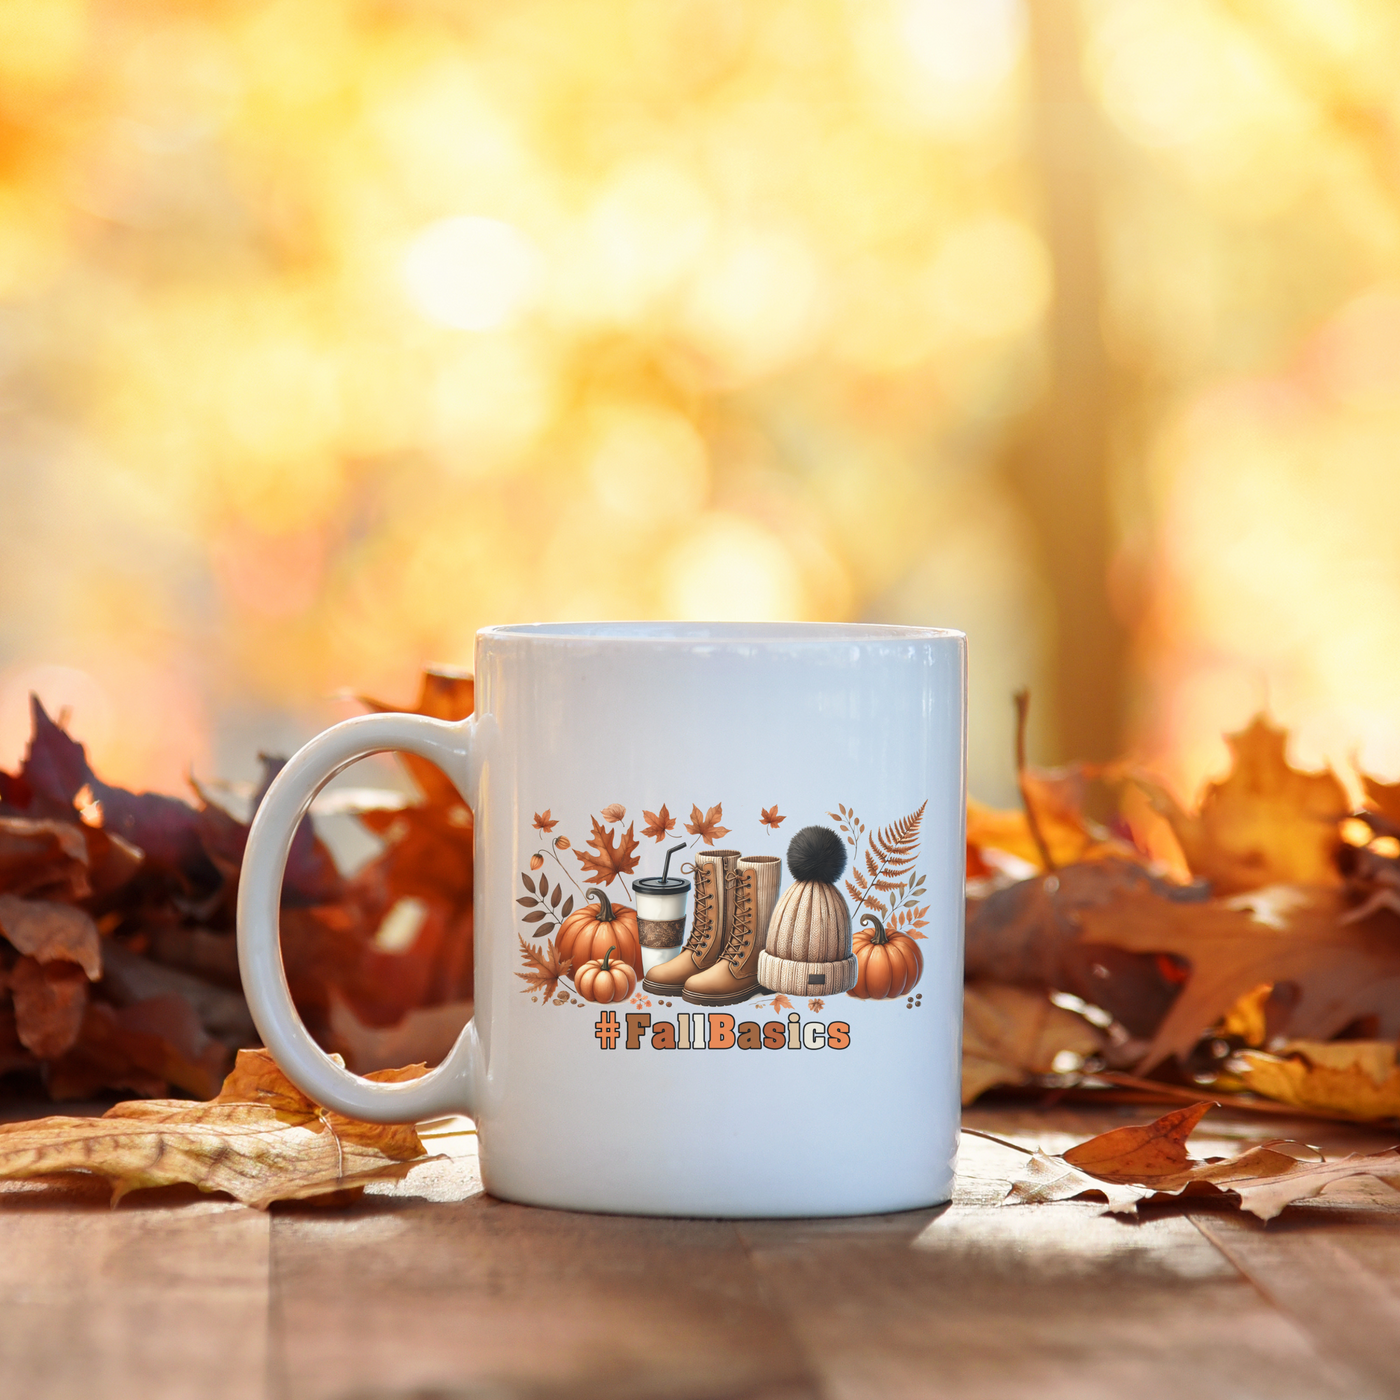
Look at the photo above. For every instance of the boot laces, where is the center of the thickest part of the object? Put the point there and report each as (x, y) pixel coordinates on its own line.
(741, 934)
(704, 918)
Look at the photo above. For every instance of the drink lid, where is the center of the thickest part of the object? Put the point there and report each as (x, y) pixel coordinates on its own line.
(660, 884)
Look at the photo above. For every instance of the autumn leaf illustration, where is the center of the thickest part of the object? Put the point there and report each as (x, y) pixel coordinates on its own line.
(614, 812)
(658, 823)
(708, 825)
(815, 1004)
(544, 967)
(610, 860)
(543, 823)
(770, 818)
(781, 1003)
(543, 904)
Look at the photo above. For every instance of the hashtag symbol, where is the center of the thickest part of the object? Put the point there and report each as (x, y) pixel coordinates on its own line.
(607, 1030)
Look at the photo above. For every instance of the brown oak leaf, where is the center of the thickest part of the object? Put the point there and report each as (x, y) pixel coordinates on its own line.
(544, 968)
(614, 812)
(658, 823)
(1342, 971)
(770, 818)
(611, 859)
(543, 823)
(1028, 934)
(708, 825)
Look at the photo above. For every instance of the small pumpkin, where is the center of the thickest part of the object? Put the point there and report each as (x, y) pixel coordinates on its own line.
(887, 964)
(605, 980)
(589, 933)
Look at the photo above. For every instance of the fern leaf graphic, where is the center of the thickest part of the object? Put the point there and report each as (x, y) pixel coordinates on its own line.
(891, 855)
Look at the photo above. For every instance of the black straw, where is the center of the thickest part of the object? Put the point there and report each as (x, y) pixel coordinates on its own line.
(666, 866)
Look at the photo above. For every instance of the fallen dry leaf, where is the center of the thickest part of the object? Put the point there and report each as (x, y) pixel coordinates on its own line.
(50, 999)
(1265, 823)
(658, 824)
(43, 859)
(1143, 1154)
(1341, 971)
(47, 932)
(1011, 1034)
(143, 1047)
(261, 1141)
(1031, 934)
(1129, 1165)
(707, 826)
(1356, 1077)
(610, 859)
(426, 1033)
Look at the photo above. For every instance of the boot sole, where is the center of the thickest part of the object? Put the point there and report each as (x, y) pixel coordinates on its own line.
(719, 998)
(662, 989)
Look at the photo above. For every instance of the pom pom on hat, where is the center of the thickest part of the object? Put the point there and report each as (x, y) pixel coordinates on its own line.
(816, 853)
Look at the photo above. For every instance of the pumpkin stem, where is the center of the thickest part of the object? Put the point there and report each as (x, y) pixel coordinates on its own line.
(879, 936)
(605, 909)
(605, 965)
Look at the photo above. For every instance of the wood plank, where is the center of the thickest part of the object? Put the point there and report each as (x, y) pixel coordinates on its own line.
(1333, 1269)
(151, 1301)
(1040, 1301)
(1002, 1302)
(407, 1294)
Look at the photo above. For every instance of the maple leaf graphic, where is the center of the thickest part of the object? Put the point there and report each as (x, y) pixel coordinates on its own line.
(781, 1003)
(543, 823)
(611, 859)
(614, 812)
(708, 825)
(770, 818)
(544, 968)
(658, 823)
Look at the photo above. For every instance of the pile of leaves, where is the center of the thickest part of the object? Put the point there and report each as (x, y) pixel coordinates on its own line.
(1249, 947)
(118, 960)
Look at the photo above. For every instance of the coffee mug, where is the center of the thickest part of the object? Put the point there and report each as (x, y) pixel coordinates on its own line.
(719, 916)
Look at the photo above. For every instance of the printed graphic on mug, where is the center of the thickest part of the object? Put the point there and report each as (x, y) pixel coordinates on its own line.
(747, 945)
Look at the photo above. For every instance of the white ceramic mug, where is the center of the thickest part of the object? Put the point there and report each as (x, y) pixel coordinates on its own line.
(623, 739)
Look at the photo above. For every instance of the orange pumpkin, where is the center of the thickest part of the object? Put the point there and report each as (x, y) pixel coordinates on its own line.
(605, 980)
(887, 964)
(589, 933)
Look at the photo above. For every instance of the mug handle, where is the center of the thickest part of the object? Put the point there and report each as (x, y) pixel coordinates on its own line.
(447, 1089)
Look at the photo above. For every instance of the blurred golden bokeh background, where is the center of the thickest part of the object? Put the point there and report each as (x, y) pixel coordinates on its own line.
(332, 330)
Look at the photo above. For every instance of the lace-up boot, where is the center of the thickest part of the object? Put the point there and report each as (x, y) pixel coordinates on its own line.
(734, 975)
(710, 924)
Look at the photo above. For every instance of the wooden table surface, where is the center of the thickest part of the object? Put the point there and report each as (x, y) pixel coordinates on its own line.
(429, 1289)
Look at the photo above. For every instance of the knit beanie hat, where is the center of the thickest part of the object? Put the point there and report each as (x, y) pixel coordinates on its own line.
(808, 952)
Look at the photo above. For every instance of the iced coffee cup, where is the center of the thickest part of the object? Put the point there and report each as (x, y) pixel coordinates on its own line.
(661, 901)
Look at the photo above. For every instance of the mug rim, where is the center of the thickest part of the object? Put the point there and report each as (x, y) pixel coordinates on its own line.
(667, 633)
